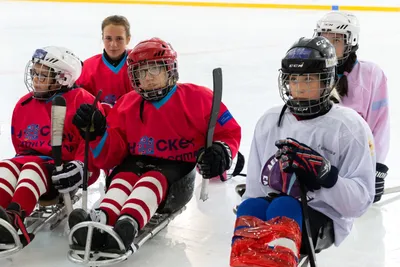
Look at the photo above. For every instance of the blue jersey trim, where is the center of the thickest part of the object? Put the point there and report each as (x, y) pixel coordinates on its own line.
(159, 104)
(111, 67)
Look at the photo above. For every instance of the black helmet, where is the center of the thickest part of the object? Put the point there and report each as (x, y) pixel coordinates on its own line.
(308, 57)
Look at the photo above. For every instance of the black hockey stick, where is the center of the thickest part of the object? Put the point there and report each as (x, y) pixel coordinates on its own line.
(216, 104)
(309, 242)
(86, 158)
(58, 112)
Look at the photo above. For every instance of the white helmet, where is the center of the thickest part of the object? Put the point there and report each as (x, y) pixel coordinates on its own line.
(62, 69)
(341, 23)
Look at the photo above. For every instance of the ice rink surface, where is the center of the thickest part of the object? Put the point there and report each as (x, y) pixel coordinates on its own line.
(248, 44)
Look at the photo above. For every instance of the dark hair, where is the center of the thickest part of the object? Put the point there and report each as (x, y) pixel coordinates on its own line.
(342, 86)
(119, 21)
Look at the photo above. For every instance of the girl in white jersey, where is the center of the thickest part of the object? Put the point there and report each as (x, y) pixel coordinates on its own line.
(362, 85)
(326, 147)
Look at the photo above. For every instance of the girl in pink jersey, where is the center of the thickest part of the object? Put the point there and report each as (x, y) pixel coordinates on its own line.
(30, 175)
(154, 137)
(362, 85)
(108, 71)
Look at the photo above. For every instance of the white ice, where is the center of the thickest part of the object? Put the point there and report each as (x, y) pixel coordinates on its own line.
(248, 44)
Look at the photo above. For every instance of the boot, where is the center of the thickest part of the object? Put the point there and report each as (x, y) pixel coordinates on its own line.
(15, 216)
(79, 215)
(127, 229)
(5, 235)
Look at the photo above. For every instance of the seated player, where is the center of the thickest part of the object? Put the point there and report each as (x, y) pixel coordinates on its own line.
(153, 136)
(362, 85)
(30, 174)
(310, 141)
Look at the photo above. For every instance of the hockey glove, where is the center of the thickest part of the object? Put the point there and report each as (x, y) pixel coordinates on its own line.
(381, 173)
(85, 116)
(312, 169)
(69, 178)
(215, 160)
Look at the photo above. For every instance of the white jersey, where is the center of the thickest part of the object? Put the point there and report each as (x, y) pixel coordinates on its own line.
(342, 137)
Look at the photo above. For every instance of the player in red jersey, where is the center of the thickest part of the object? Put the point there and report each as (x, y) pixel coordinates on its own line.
(108, 71)
(154, 136)
(30, 175)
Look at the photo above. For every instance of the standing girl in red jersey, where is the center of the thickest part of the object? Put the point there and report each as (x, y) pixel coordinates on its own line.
(154, 136)
(108, 71)
(30, 174)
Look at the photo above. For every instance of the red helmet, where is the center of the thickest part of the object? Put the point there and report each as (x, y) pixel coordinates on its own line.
(153, 52)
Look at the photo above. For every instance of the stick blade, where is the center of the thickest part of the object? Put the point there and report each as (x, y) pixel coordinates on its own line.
(59, 101)
(58, 113)
(216, 104)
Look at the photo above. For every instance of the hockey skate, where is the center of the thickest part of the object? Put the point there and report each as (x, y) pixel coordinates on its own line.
(120, 241)
(16, 232)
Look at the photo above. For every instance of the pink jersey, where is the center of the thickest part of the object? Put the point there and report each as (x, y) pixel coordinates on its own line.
(368, 95)
(31, 129)
(98, 74)
(173, 128)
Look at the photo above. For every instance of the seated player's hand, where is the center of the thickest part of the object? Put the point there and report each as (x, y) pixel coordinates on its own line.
(214, 161)
(87, 115)
(380, 175)
(69, 178)
(312, 169)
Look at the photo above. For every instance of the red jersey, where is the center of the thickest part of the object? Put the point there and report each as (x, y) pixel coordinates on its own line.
(98, 74)
(31, 128)
(173, 128)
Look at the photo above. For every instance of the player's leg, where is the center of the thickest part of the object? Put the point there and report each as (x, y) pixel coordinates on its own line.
(32, 182)
(276, 222)
(9, 173)
(110, 207)
(161, 180)
(141, 205)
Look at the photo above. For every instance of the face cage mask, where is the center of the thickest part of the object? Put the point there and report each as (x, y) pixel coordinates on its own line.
(346, 37)
(45, 77)
(153, 67)
(302, 89)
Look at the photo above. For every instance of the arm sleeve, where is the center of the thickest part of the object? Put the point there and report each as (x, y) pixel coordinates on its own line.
(227, 130)
(14, 130)
(354, 191)
(110, 149)
(254, 166)
(85, 80)
(378, 118)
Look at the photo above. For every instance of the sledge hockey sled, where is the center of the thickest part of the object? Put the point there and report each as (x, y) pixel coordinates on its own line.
(179, 195)
(50, 212)
(99, 258)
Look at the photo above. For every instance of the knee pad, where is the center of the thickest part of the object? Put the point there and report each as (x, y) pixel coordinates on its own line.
(256, 207)
(285, 206)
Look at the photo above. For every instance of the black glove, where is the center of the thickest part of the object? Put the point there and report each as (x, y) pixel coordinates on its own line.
(312, 169)
(69, 178)
(380, 175)
(87, 115)
(214, 160)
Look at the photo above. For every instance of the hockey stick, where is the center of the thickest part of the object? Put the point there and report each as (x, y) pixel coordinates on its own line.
(216, 104)
(391, 190)
(309, 242)
(58, 112)
(86, 158)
